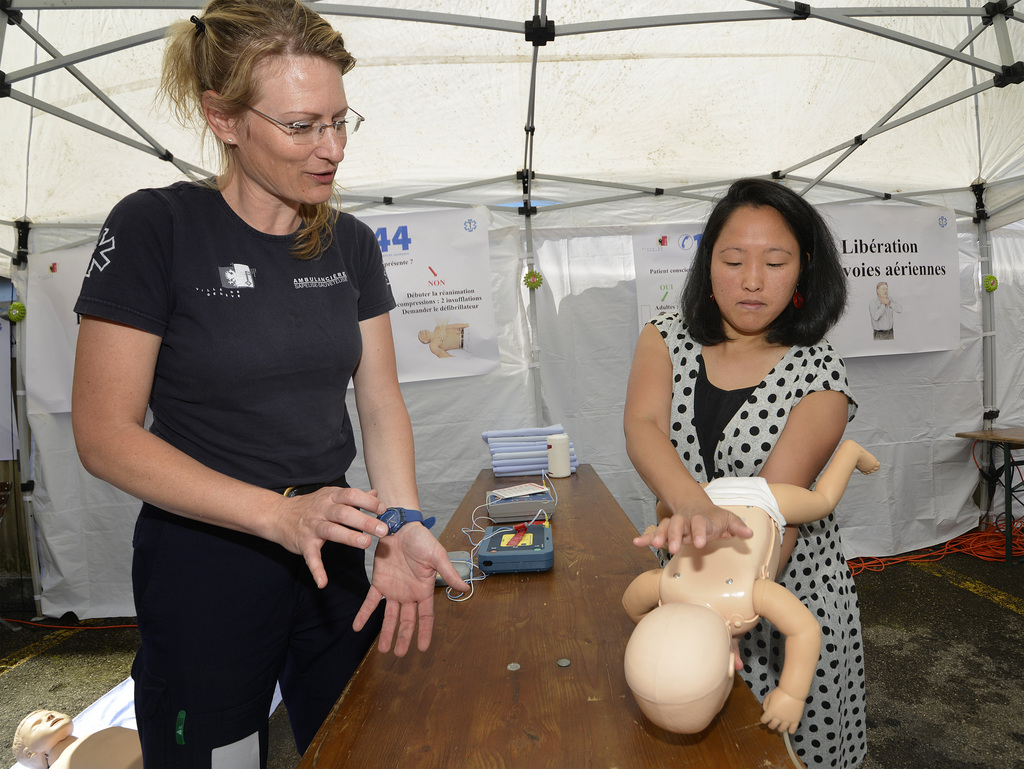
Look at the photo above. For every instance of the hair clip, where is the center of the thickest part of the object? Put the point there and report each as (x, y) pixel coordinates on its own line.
(200, 25)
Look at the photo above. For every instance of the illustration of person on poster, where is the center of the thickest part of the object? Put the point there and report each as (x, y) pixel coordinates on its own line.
(438, 266)
(881, 309)
(445, 336)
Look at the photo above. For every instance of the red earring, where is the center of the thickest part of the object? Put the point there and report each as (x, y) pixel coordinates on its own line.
(798, 299)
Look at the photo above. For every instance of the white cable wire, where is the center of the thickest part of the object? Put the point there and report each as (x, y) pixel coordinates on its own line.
(477, 528)
(792, 753)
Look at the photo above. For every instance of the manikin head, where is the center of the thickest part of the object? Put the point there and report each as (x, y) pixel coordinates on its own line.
(424, 336)
(38, 734)
(679, 666)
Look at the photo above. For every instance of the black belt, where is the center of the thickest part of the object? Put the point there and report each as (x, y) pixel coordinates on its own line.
(309, 488)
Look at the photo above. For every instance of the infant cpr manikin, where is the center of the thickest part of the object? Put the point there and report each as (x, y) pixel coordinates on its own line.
(679, 662)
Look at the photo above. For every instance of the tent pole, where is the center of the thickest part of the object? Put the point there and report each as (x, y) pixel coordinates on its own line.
(540, 22)
(988, 352)
(24, 468)
(19, 268)
(538, 400)
(988, 330)
(6, 20)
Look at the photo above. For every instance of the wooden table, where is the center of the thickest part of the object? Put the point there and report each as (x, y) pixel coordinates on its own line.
(1009, 438)
(465, 703)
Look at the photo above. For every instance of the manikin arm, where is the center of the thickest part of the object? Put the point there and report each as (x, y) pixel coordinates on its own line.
(642, 595)
(438, 350)
(784, 705)
(813, 430)
(798, 505)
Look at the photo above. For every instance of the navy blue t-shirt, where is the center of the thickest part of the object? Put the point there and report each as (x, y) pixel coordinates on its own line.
(258, 347)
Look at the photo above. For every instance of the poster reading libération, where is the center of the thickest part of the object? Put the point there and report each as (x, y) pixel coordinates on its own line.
(903, 275)
(438, 264)
(901, 264)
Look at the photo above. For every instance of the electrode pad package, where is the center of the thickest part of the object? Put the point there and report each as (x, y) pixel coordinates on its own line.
(501, 509)
(522, 547)
(520, 503)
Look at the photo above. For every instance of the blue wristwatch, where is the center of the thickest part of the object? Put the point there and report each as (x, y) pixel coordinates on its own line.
(397, 517)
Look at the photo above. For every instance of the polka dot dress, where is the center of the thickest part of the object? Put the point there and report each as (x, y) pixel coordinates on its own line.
(832, 730)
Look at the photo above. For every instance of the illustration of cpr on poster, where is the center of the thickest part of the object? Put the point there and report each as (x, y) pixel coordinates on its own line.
(438, 264)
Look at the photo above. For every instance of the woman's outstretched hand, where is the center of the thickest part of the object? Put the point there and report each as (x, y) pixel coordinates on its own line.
(404, 569)
(674, 531)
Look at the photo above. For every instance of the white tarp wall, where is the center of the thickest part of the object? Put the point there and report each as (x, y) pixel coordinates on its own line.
(626, 93)
(910, 408)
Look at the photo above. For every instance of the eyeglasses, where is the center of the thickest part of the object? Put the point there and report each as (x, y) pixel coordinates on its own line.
(306, 132)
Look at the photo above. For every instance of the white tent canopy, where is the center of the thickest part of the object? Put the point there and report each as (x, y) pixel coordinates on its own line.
(875, 98)
(573, 123)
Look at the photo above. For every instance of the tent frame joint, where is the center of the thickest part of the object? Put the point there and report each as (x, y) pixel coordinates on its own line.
(1013, 74)
(23, 226)
(801, 11)
(526, 176)
(995, 9)
(13, 16)
(539, 32)
(980, 213)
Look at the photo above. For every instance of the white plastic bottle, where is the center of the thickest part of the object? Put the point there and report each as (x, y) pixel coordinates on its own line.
(558, 455)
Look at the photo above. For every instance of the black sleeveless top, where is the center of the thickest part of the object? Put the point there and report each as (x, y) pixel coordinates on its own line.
(713, 408)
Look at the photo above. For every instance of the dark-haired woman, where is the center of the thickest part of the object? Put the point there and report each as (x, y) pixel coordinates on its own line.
(741, 382)
(238, 310)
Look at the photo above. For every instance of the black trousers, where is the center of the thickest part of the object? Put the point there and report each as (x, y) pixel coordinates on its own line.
(224, 617)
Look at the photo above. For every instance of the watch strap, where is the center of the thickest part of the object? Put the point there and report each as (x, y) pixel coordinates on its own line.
(397, 517)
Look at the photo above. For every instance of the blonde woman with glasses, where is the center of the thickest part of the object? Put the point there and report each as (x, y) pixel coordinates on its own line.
(237, 310)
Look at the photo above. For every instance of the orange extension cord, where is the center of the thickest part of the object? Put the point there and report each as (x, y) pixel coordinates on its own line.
(987, 542)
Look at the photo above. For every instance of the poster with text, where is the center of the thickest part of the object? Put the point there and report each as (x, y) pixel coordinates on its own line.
(902, 268)
(438, 264)
(661, 256)
(901, 264)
